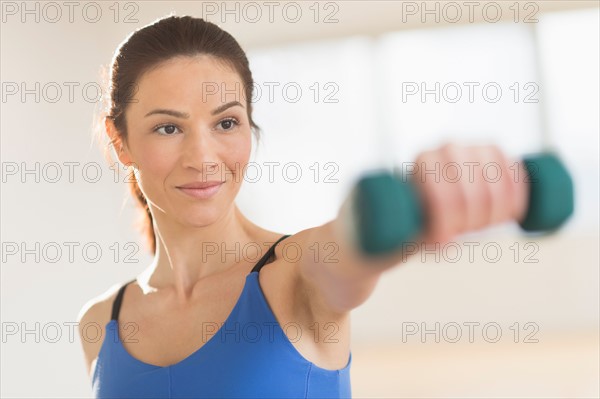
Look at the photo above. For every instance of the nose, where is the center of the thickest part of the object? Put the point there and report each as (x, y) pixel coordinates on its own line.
(200, 152)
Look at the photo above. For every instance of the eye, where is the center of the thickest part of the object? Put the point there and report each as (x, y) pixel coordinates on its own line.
(169, 129)
(229, 123)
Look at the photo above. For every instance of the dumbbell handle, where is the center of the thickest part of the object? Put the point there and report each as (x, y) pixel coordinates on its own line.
(386, 211)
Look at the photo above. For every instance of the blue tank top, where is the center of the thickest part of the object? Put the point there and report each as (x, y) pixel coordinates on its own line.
(248, 357)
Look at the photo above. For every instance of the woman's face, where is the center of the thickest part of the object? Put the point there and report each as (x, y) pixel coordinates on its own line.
(188, 123)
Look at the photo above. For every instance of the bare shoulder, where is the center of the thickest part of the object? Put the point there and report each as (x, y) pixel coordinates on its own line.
(295, 302)
(93, 317)
(291, 253)
(280, 279)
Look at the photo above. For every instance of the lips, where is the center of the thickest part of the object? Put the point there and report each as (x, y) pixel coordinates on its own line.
(201, 185)
(201, 190)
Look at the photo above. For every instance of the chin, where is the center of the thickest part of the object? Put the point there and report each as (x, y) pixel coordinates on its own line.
(200, 217)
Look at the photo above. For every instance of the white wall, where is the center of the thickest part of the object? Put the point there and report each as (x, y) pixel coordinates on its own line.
(559, 293)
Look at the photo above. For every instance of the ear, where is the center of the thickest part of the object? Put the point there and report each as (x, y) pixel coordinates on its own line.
(119, 145)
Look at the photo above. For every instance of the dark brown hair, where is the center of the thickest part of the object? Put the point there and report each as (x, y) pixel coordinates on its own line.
(146, 48)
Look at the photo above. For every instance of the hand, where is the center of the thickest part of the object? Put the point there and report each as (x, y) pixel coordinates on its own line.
(466, 188)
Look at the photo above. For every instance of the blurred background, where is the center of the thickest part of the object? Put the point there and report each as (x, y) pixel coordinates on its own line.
(343, 87)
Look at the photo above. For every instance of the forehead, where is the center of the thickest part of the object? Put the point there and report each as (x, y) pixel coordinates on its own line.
(189, 81)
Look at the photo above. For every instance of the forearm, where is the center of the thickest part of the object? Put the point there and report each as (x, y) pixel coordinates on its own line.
(400, 218)
(347, 278)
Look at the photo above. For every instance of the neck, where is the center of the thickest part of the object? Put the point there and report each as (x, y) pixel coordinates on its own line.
(186, 254)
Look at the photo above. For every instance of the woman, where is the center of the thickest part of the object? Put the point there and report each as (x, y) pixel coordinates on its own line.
(200, 322)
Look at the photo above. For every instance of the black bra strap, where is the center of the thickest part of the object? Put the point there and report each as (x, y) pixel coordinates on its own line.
(268, 255)
(117, 303)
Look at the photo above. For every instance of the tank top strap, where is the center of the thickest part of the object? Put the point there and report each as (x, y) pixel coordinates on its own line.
(116, 308)
(267, 256)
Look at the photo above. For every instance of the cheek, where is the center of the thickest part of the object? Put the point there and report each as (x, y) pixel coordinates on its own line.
(241, 155)
(154, 164)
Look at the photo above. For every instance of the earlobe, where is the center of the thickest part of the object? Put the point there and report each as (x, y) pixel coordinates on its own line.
(117, 142)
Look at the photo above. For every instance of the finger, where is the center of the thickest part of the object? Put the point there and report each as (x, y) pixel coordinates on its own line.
(443, 200)
(468, 181)
(520, 191)
(496, 180)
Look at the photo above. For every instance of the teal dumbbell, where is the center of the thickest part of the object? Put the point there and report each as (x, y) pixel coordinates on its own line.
(386, 211)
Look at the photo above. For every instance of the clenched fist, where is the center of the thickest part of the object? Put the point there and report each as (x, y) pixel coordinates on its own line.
(465, 188)
(453, 190)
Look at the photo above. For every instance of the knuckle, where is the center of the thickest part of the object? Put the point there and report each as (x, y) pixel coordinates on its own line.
(449, 148)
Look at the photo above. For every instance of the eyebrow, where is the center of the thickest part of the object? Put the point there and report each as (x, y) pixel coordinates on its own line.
(185, 115)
